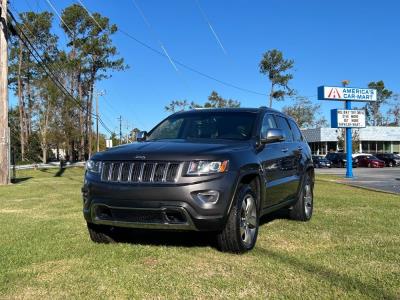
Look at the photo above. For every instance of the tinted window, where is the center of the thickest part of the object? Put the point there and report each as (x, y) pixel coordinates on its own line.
(284, 125)
(268, 123)
(295, 131)
(206, 125)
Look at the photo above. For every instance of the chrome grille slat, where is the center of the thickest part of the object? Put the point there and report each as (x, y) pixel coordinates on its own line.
(140, 171)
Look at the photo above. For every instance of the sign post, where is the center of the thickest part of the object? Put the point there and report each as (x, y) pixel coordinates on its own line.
(349, 147)
(347, 118)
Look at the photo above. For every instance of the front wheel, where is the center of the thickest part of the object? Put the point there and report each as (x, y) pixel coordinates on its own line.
(241, 230)
(303, 209)
(100, 233)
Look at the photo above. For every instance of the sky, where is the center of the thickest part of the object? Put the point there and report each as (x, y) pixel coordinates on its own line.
(356, 40)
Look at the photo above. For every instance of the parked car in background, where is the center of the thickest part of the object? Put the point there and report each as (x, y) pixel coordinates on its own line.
(390, 159)
(338, 159)
(321, 162)
(370, 161)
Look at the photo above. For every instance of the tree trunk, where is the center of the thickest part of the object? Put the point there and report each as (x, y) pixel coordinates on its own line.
(271, 95)
(89, 111)
(81, 123)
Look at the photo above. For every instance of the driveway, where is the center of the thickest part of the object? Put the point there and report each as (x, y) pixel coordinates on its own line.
(385, 179)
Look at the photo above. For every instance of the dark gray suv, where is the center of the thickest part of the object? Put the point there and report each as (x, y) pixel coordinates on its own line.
(215, 170)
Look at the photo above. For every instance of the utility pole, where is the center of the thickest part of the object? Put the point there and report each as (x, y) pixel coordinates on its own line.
(4, 130)
(99, 93)
(120, 130)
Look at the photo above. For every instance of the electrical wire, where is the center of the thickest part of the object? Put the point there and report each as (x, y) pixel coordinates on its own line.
(32, 50)
(183, 65)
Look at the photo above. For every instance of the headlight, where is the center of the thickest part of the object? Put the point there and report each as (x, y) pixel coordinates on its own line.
(202, 167)
(93, 166)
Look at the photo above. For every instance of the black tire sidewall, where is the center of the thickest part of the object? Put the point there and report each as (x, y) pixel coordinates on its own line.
(245, 190)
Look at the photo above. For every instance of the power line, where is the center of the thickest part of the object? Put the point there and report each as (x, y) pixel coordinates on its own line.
(211, 27)
(32, 50)
(177, 62)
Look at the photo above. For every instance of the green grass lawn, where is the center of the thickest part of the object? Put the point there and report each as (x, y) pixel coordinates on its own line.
(350, 249)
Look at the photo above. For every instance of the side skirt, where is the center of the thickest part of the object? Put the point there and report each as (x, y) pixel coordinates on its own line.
(275, 207)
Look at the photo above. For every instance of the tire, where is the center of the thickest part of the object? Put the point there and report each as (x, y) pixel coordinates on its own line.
(341, 164)
(369, 165)
(391, 164)
(100, 233)
(303, 209)
(241, 229)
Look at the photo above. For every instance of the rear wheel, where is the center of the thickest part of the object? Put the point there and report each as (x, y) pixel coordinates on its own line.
(100, 233)
(340, 164)
(303, 209)
(391, 164)
(241, 230)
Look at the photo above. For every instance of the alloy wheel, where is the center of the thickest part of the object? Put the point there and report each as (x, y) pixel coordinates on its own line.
(248, 220)
(308, 199)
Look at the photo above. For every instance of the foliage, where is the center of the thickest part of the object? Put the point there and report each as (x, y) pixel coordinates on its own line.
(214, 101)
(89, 56)
(374, 115)
(305, 113)
(394, 111)
(355, 139)
(277, 69)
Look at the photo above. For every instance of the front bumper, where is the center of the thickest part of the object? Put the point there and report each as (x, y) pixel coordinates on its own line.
(159, 206)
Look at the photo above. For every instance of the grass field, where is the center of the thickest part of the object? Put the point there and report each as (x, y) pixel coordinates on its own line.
(350, 249)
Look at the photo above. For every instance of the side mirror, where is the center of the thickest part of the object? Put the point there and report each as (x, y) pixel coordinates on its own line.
(141, 136)
(272, 136)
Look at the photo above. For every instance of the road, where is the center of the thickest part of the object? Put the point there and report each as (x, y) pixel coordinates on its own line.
(385, 179)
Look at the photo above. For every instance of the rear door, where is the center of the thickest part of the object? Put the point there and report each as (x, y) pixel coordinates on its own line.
(299, 152)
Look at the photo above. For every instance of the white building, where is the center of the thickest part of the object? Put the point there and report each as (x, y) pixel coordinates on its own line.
(373, 139)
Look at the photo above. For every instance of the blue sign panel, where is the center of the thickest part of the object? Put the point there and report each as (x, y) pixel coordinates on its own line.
(346, 94)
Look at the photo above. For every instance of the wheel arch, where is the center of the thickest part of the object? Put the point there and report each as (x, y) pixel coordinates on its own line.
(253, 178)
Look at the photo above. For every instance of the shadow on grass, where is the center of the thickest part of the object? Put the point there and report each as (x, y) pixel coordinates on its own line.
(176, 238)
(340, 280)
(60, 172)
(20, 179)
(165, 238)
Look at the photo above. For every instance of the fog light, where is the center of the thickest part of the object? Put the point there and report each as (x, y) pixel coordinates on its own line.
(208, 196)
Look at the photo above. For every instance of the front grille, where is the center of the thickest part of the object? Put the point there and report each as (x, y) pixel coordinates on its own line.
(139, 171)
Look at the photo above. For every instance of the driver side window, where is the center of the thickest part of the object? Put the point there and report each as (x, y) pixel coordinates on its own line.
(268, 123)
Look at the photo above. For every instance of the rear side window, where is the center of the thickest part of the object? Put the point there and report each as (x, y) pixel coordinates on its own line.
(296, 131)
(268, 123)
(284, 125)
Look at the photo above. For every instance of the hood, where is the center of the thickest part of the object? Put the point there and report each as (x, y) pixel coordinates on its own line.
(178, 150)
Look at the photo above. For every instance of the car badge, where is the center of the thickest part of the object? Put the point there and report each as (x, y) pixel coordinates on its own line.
(140, 157)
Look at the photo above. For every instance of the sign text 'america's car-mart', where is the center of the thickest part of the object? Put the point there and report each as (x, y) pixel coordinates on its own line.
(346, 93)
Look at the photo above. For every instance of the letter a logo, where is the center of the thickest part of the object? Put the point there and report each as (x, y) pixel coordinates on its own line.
(334, 93)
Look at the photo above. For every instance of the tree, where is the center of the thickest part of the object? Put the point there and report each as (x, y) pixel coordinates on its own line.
(92, 57)
(394, 111)
(214, 101)
(304, 112)
(355, 139)
(277, 68)
(374, 114)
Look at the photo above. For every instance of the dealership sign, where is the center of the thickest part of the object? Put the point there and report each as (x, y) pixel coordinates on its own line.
(347, 118)
(346, 93)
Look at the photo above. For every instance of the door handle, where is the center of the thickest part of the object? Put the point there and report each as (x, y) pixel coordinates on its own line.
(300, 147)
(285, 149)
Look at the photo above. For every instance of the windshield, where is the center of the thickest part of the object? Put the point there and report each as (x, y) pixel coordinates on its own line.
(206, 125)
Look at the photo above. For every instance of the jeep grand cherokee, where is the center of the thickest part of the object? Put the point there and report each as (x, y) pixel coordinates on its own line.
(215, 170)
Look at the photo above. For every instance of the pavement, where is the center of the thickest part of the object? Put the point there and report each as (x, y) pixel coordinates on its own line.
(383, 179)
